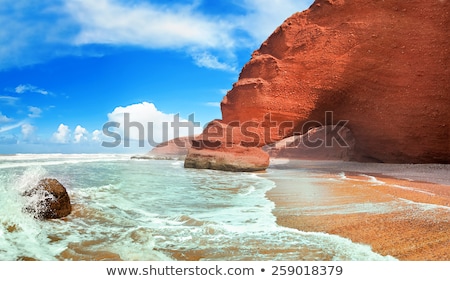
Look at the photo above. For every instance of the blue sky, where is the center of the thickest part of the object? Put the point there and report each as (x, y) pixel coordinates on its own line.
(67, 67)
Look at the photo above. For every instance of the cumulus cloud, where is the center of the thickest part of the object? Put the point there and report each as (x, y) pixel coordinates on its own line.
(28, 132)
(80, 134)
(144, 122)
(35, 112)
(97, 136)
(136, 125)
(62, 135)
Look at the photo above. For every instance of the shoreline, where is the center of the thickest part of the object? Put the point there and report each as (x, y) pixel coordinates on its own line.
(399, 210)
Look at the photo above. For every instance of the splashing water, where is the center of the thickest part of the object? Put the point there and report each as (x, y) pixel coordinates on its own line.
(152, 210)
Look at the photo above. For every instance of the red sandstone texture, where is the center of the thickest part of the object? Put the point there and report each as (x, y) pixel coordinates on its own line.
(381, 65)
(177, 147)
(320, 143)
(225, 147)
(173, 149)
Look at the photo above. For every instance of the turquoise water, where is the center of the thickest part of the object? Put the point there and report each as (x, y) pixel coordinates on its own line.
(152, 210)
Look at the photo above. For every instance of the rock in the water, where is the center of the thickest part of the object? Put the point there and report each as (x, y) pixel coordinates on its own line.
(235, 159)
(48, 200)
(226, 147)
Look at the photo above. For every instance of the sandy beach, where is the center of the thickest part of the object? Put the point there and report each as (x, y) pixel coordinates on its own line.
(399, 210)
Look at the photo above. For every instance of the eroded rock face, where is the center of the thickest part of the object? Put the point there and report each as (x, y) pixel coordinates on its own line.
(237, 159)
(320, 143)
(224, 147)
(173, 149)
(383, 66)
(48, 200)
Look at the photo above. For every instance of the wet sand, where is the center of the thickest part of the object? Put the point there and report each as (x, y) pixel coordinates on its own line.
(399, 210)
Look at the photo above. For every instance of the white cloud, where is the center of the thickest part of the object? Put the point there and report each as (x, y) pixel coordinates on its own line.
(136, 124)
(80, 134)
(62, 135)
(145, 24)
(176, 25)
(28, 132)
(35, 112)
(181, 26)
(4, 118)
(145, 116)
(41, 30)
(205, 59)
(21, 89)
(97, 136)
(8, 100)
(11, 127)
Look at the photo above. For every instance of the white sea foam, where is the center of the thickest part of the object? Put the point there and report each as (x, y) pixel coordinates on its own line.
(345, 249)
(351, 208)
(370, 179)
(374, 180)
(426, 206)
(131, 208)
(21, 234)
(40, 160)
(342, 176)
(413, 189)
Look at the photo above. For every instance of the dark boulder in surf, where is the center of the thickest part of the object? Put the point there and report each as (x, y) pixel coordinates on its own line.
(48, 200)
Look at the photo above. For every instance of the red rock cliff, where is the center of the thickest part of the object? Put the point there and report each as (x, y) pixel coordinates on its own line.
(381, 65)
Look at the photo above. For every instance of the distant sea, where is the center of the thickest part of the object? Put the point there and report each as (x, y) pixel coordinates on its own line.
(152, 210)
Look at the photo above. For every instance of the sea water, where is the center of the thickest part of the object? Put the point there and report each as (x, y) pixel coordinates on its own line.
(152, 210)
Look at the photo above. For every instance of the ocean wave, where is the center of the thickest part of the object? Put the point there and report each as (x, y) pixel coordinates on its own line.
(28, 160)
(137, 210)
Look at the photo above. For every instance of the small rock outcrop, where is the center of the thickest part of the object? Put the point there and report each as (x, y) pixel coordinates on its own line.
(235, 159)
(48, 200)
(226, 147)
